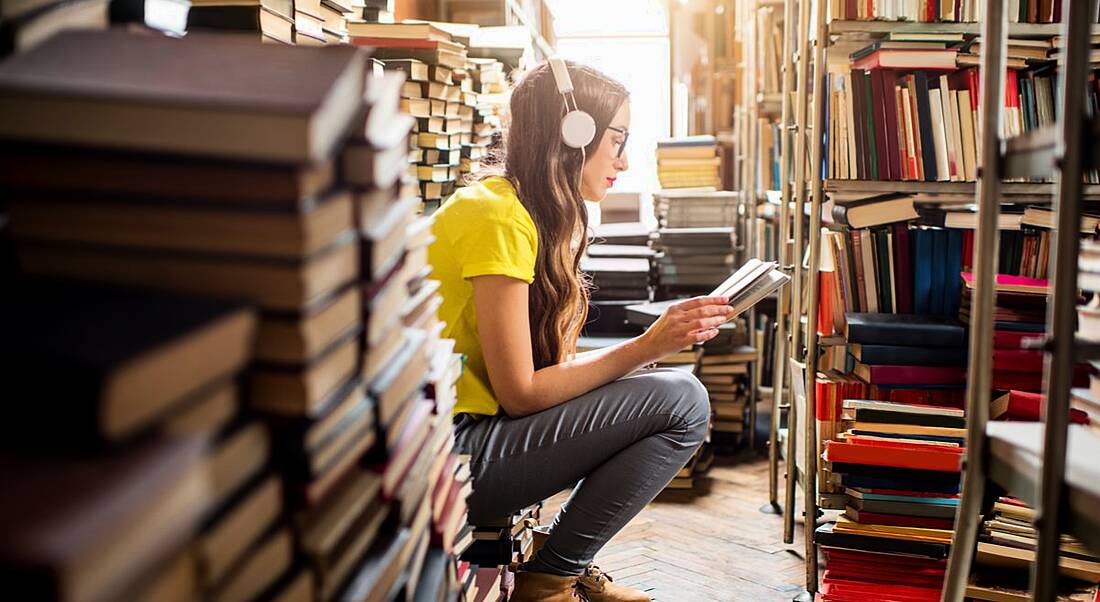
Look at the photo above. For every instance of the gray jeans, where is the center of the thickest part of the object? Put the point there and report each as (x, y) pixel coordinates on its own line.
(623, 442)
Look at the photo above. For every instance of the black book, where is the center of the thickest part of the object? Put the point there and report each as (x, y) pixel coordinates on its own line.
(890, 477)
(898, 355)
(826, 536)
(904, 329)
(924, 116)
(888, 417)
(884, 271)
(96, 364)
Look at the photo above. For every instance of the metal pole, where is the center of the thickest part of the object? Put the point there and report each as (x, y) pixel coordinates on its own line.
(750, 188)
(799, 234)
(817, 182)
(980, 370)
(1062, 310)
(782, 304)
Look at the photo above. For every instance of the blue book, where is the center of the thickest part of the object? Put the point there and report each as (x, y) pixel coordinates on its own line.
(953, 287)
(914, 499)
(900, 484)
(922, 269)
(939, 262)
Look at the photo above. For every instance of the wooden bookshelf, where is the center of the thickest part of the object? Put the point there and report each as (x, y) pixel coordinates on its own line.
(880, 28)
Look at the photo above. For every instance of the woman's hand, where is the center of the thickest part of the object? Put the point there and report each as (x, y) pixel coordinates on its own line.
(686, 323)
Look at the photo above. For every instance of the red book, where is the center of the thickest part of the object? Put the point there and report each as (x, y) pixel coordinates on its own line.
(968, 250)
(861, 591)
(1026, 406)
(919, 457)
(972, 84)
(897, 520)
(1005, 380)
(1010, 339)
(954, 398)
(878, 111)
(911, 375)
(1017, 360)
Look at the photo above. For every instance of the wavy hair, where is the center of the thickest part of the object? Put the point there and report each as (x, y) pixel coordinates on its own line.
(547, 177)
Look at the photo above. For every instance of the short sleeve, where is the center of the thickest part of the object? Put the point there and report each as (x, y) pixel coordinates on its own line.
(494, 236)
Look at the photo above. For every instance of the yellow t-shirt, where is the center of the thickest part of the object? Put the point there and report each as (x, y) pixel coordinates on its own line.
(481, 230)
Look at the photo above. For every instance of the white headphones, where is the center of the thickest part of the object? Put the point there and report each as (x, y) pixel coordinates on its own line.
(577, 127)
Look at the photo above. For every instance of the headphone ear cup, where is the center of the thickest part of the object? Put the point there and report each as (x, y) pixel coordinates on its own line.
(578, 129)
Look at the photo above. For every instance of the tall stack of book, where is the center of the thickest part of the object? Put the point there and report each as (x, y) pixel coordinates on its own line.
(491, 86)
(692, 261)
(688, 162)
(214, 202)
(220, 204)
(165, 480)
(899, 467)
(1006, 550)
(429, 56)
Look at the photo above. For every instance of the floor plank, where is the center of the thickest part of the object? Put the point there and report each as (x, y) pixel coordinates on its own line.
(709, 544)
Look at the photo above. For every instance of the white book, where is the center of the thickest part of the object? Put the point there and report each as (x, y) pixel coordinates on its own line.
(939, 134)
(954, 150)
(867, 250)
(851, 115)
(867, 404)
(968, 135)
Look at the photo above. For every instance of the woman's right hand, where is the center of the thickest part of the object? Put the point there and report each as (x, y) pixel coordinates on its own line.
(686, 323)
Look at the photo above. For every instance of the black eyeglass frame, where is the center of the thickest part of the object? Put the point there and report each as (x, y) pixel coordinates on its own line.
(622, 145)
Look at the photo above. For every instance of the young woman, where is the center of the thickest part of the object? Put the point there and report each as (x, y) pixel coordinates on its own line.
(535, 416)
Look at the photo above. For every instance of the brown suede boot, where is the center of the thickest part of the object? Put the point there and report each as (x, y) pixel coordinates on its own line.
(597, 586)
(544, 587)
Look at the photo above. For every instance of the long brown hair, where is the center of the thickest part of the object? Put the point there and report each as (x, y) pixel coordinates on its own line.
(546, 175)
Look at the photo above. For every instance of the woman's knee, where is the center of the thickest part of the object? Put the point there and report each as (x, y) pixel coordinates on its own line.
(687, 399)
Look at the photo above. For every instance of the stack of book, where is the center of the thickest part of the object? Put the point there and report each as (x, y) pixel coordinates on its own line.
(214, 202)
(429, 57)
(620, 275)
(724, 371)
(1006, 550)
(302, 22)
(898, 465)
(25, 24)
(485, 569)
(907, 350)
(693, 261)
(1019, 316)
(491, 86)
(688, 162)
(697, 466)
(165, 479)
(695, 208)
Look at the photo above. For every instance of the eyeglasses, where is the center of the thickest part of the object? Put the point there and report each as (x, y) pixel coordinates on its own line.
(622, 145)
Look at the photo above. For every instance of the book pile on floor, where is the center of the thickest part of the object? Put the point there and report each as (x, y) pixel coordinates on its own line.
(899, 467)
(348, 370)
(621, 275)
(688, 162)
(1006, 551)
(486, 569)
(429, 57)
(692, 261)
(695, 208)
(724, 371)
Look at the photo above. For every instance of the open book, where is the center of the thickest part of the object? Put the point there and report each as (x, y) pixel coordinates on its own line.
(751, 283)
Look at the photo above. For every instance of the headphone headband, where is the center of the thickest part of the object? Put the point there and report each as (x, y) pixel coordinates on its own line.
(577, 127)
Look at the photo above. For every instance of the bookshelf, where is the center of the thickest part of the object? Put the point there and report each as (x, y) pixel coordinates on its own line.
(1044, 463)
(819, 41)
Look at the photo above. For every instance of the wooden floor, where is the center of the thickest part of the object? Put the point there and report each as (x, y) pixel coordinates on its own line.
(712, 544)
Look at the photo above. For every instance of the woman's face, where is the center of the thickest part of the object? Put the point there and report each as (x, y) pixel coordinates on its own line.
(604, 165)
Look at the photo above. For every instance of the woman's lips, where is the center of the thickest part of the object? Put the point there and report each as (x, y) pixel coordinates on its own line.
(610, 182)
